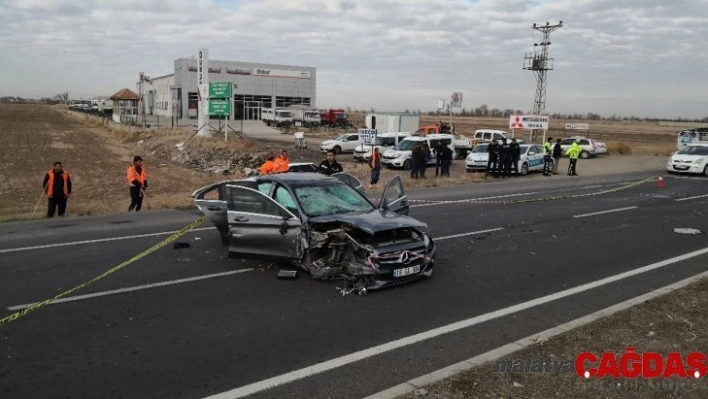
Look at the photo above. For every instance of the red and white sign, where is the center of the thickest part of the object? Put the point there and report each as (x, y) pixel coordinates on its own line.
(529, 122)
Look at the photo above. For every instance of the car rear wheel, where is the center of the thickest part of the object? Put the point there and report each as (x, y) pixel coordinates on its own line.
(337, 150)
(584, 155)
(407, 164)
(524, 169)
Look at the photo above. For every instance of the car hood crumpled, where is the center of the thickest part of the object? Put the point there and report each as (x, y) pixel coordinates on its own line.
(373, 221)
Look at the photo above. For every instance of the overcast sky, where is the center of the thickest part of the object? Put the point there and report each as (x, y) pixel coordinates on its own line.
(645, 58)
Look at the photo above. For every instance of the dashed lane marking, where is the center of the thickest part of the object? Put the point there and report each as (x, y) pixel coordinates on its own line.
(604, 212)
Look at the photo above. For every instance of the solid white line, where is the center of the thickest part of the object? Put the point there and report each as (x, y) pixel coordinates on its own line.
(413, 339)
(98, 240)
(132, 289)
(604, 212)
(506, 350)
(467, 234)
(690, 198)
(446, 202)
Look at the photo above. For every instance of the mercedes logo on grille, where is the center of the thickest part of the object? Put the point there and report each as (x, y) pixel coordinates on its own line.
(405, 257)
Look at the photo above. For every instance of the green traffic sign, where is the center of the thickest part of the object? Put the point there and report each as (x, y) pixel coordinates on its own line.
(219, 107)
(220, 90)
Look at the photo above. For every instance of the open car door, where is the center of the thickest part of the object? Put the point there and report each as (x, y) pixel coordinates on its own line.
(260, 228)
(214, 208)
(351, 181)
(394, 199)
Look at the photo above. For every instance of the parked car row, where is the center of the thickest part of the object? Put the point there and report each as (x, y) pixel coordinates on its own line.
(590, 147)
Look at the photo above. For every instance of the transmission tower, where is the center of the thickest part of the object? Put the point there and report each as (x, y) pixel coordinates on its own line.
(539, 63)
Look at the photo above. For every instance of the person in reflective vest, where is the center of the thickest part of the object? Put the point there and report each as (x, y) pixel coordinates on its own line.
(573, 153)
(268, 166)
(548, 157)
(282, 163)
(137, 180)
(57, 186)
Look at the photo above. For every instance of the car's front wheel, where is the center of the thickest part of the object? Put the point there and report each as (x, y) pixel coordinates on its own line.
(337, 150)
(524, 169)
(705, 171)
(584, 155)
(407, 164)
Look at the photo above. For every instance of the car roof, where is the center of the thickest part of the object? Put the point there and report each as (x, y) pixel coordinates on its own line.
(301, 163)
(392, 134)
(696, 145)
(490, 131)
(430, 136)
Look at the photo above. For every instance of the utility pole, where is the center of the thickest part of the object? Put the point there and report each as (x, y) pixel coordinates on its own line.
(539, 63)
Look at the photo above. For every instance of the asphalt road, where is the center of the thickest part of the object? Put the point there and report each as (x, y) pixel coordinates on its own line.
(239, 329)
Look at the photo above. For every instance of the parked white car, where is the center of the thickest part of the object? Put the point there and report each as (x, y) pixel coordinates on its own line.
(590, 147)
(531, 158)
(400, 157)
(344, 143)
(693, 158)
(384, 141)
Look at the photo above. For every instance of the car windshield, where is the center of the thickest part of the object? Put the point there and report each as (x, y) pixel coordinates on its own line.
(331, 199)
(385, 141)
(694, 150)
(480, 148)
(342, 137)
(406, 145)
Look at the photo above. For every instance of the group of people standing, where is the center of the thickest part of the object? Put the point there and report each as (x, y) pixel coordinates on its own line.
(421, 155)
(552, 154)
(503, 158)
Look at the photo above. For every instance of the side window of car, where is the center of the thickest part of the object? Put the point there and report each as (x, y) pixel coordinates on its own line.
(584, 142)
(264, 187)
(353, 137)
(283, 197)
(487, 136)
(243, 200)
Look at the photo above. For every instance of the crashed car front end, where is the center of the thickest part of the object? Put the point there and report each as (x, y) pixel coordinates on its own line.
(367, 259)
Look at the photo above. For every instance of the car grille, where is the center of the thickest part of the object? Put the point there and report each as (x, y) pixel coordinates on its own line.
(391, 259)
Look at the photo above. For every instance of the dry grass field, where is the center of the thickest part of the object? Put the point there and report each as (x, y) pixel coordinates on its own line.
(32, 137)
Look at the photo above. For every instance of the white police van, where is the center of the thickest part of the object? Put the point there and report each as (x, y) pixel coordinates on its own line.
(400, 156)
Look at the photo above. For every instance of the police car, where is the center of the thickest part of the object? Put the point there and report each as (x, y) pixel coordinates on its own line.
(531, 158)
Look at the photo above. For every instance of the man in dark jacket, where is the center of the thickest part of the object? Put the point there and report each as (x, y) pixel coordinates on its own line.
(57, 186)
(505, 159)
(515, 155)
(492, 161)
(557, 153)
(445, 156)
(330, 165)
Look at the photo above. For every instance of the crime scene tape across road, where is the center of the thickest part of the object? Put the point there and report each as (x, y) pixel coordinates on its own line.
(135, 258)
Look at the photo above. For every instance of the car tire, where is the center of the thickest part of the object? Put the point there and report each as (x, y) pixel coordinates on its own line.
(337, 150)
(407, 164)
(705, 171)
(524, 169)
(584, 155)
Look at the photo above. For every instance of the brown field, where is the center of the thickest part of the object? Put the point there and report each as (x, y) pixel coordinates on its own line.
(32, 137)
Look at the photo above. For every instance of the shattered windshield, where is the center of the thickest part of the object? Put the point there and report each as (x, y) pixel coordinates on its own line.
(331, 199)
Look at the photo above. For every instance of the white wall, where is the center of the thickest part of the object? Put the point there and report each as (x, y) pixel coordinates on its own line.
(157, 95)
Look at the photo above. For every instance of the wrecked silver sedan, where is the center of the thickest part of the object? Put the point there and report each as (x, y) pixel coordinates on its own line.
(324, 225)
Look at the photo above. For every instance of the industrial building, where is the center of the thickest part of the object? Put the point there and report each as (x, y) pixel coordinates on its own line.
(254, 86)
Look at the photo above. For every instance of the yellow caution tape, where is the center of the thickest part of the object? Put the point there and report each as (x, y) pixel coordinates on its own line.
(141, 255)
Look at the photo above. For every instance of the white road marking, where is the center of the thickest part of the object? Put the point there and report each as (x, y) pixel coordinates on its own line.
(292, 376)
(98, 240)
(133, 289)
(604, 212)
(446, 202)
(467, 234)
(690, 198)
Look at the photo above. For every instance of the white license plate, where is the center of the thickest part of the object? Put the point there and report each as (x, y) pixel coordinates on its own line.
(406, 271)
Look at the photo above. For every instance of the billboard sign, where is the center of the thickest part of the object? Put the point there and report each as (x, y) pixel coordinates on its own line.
(281, 73)
(577, 126)
(456, 100)
(220, 90)
(219, 107)
(529, 122)
(368, 136)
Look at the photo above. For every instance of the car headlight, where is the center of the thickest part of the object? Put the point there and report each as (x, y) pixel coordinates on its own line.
(397, 154)
(699, 160)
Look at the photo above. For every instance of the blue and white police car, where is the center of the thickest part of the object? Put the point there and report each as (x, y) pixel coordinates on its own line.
(531, 158)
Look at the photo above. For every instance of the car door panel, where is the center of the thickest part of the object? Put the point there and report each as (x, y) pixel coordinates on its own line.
(215, 209)
(394, 198)
(260, 228)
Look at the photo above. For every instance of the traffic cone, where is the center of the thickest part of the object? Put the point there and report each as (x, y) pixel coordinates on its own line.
(660, 182)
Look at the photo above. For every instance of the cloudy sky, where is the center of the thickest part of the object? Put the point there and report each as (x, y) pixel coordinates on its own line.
(645, 58)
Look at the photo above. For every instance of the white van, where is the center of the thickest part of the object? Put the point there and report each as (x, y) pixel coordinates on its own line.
(400, 156)
(384, 141)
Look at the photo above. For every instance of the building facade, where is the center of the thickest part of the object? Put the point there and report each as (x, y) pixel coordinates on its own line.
(254, 86)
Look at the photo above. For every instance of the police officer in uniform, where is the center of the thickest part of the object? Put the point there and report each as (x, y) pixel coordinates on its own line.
(548, 157)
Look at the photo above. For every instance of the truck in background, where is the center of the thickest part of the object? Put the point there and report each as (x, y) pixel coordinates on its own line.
(276, 116)
(335, 118)
(392, 122)
(305, 115)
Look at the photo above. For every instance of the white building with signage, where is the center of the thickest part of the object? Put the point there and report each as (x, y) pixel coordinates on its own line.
(254, 86)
